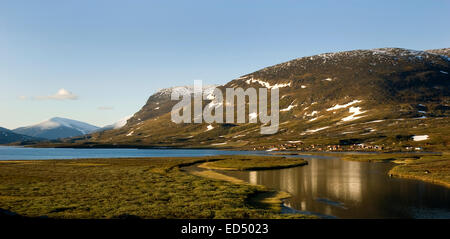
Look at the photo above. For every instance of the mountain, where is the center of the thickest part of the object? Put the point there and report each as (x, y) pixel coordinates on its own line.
(56, 128)
(390, 98)
(7, 136)
(160, 103)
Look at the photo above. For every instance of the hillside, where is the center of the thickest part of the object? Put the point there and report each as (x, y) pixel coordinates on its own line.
(389, 98)
(443, 51)
(7, 136)
(56, 128)
(160, 103)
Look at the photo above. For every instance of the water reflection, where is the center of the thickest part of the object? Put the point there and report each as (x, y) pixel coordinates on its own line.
(353, 190)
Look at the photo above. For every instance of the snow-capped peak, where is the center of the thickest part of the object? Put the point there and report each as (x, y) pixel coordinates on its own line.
(186, 90)
(58, 121)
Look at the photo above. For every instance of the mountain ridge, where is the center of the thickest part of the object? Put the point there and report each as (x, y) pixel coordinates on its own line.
(8, 136)
(396, 93)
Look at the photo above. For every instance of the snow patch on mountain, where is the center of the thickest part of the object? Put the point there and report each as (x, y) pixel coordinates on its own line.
(294, 141)
(355, 111)
(336, 107)
(219, 143)
(210, 95)
(291, 106)
(253, 115)
(316, 130)
(214, 104)
(187, 90)
(315, 112)
(117, 125)
(314, 119)
(49, 124)
(374, 121)
(420, 137)
(266, 84)
(238, 136)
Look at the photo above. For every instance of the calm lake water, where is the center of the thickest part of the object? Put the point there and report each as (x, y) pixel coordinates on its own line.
(345, 189)
(326, 186)
(22, 153)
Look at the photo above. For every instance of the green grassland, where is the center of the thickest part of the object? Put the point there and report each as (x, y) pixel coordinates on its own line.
(387, 157)
(429, 168)
(124, 188)
(254, 163)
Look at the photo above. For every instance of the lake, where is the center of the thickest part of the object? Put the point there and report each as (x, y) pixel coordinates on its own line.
(23, 153)
(327, 186)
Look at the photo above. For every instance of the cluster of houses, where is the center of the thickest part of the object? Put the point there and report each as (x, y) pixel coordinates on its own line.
(410, 148)
(299, 146)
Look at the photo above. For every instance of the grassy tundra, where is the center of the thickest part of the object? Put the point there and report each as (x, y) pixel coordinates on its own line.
(254, 163)
(121, 188)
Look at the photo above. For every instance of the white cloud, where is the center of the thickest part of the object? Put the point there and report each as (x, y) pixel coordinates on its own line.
(22, 97)
(62, 94)
(105, 108)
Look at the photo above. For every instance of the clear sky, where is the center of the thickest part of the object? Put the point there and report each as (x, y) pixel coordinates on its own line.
(99, 60)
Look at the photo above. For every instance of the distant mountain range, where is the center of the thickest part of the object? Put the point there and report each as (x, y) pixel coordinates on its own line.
(7, 136)
(56, 128)
(53, 129)
(380, 97)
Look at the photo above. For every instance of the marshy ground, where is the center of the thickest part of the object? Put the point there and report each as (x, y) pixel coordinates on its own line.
(254, 163)
(121, 188)
(163, 188)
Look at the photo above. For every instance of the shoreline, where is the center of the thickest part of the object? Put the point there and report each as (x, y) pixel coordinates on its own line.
(280, 153)
(138, 146)
(207, 165)
(428, 167)
(395, 171)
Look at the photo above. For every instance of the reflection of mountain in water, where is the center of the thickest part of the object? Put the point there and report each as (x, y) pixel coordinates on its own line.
(349, 189)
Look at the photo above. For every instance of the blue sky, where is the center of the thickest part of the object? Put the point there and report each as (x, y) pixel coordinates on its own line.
(110, 56)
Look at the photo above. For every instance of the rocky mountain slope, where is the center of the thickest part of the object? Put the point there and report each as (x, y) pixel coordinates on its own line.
(56, 128)
(390, 98)
(160, 103)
